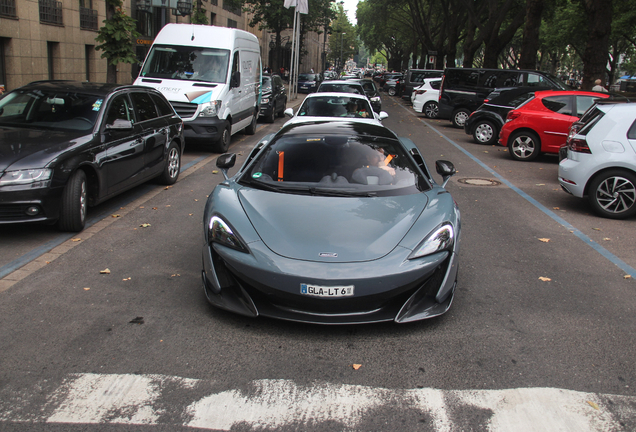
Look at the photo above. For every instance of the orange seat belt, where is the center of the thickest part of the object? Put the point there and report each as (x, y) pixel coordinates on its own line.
(281, 163)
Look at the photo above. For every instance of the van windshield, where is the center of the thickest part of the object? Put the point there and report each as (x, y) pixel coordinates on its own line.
(187, 63)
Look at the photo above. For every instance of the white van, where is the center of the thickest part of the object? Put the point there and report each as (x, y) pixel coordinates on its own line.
(211, 76)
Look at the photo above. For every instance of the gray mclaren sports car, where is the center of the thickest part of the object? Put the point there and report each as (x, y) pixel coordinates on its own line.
(332, 223)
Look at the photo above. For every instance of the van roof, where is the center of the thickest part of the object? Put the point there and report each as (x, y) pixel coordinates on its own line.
(202, 35)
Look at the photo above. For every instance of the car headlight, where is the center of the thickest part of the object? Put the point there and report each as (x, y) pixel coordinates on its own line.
(442, 238)
(34, 177)
(264, 100)
(221, 232)
(210, 109)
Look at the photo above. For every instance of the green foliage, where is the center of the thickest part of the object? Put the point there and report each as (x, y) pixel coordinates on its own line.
(116, 37)
(199, 16)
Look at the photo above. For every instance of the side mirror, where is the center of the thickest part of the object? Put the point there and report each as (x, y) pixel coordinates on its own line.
(235, 81)
(289, 112)
(225, 162)
(382, 115)
(120, 124)
(446, 169)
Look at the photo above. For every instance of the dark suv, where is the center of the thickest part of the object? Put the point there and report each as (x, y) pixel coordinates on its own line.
(273, 99)
(464, 89)
(485, 123)
(67, 145)
(415, 78)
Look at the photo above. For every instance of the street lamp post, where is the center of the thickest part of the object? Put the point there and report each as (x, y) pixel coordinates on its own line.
(341, 37)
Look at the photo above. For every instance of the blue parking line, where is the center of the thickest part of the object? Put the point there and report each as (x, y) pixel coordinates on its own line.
(62, 237)
(597, 247)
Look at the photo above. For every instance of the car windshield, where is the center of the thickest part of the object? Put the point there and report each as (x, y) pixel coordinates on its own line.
(187, 63)
(51, 110)
(267, 83)
(336, 106)
(306, 77)
(335, 165)
(341, 88)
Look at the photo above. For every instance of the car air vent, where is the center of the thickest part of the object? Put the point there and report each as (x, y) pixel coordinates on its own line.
(203, 85)
(151, 80)
(185, 110)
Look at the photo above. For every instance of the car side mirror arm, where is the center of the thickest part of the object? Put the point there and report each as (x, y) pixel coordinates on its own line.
(446, 169)
(225, 162)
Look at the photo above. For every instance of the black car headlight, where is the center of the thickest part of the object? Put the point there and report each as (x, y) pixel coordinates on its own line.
(28, 178)
(221, 232)
(440, 239)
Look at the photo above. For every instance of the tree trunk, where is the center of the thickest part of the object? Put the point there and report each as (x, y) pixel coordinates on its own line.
(599, 17)
(530, 41)
(111, 69)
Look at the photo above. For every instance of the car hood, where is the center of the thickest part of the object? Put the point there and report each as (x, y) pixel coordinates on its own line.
(22, 148)
(331, 229)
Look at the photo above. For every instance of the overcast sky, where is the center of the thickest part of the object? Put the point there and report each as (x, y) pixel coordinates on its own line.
(350, 7)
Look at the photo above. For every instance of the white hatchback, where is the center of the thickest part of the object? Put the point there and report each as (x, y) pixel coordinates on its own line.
(600, 162)
(425, 97)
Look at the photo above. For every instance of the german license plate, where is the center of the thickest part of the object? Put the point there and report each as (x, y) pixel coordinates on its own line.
(323, 291)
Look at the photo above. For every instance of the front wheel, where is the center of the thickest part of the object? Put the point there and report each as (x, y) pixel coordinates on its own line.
(223, 143)
(173, 165)
(524, 146)
(612, 194)
(281, 113)
(391, 91)
(269, 118)
(251, 128)
(74, 203)
(459, 117)
(485, 133)
(431, 110)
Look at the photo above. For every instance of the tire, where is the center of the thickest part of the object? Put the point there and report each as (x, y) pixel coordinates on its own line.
(524, 146)
(612, 194)
(74, 203)
(459, 117)
(391, 91)
(281, 113)
(431, 110)
(485, 133)
(271, 116)
(251, 128)
(223, 143)
(173, 165)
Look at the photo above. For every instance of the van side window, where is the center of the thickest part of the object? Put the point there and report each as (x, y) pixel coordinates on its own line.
(559, 104)
(536, 80)
(236, 65)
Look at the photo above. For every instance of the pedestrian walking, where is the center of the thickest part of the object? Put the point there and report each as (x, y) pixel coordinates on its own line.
(598, 87)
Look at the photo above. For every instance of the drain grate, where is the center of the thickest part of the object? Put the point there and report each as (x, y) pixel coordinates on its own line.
(479, 182)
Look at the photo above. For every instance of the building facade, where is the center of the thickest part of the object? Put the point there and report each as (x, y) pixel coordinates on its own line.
(55, 39)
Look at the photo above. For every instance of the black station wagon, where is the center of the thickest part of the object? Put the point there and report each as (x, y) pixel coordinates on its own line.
(66, 145)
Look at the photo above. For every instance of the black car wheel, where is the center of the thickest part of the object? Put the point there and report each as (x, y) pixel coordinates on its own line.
(431, 110)
(74, 203)
(485, 133)
(459, 117)
(269, 118)
(251, 128)
(223, 144)
(281, 113)
(612, 194)
(173, 165)
(524, 146)
(391, 91)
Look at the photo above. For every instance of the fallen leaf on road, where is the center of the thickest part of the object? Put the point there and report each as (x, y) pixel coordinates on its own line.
(76, 239)
(627, 277)
(142, 207)
(105, 271)
(168, 205)
(540, 184)
(138, 320)
(126, 279)
(144, 225)
(86, 289)
(190, 214)
(544, 240)
(115, 215)
(596, 229)
(555, 208)
(215, 172)
(356, 366)
(176, 274)
(167, 187)
(196, 200)
(486, 151)
(544, 279)
(154, 208)
(593, 405)
(607, 239)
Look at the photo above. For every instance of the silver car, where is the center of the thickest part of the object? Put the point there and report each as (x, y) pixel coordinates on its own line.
(332, 223)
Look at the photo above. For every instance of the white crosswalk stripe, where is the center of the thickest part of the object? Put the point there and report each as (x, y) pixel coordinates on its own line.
(270, 404)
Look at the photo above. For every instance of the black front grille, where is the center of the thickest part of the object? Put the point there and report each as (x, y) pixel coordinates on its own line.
(184, 109)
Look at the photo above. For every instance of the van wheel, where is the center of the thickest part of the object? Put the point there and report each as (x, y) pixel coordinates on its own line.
(459, 117)
(251, 129)
(74, 203)
(223, 144)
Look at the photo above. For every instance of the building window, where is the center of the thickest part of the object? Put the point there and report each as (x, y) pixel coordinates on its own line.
(7, 8)
(230, 6)
(50, 12)
(88, 15)
(212, 18)
(89, 56)
(52, 57)
(144, 23)
(231, 23)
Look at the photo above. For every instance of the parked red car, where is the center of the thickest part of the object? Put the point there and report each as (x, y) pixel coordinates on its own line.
(541, 125)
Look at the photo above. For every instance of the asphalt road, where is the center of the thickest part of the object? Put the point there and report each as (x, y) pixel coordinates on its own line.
(140, 349)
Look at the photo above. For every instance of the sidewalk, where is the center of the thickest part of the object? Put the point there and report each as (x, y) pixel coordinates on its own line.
(300, 97)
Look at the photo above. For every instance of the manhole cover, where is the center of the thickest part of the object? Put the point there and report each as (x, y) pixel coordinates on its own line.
(479, 182)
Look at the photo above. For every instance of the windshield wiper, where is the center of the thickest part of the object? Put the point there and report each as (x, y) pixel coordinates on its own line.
(274, 187)
(340, 193)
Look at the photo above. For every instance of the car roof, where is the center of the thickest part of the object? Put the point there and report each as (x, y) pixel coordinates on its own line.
(336, 94)
(546, 93)
(98, 89)
(327, 127)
